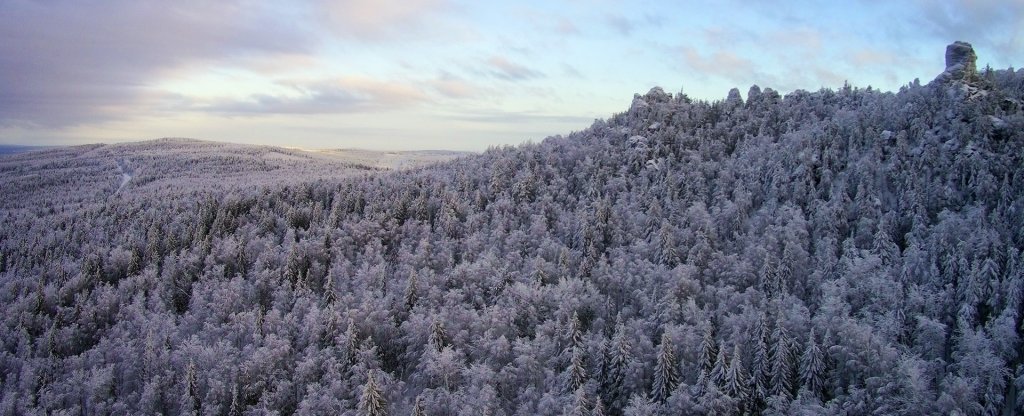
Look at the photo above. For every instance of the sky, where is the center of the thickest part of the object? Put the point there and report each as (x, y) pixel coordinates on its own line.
(444, 74)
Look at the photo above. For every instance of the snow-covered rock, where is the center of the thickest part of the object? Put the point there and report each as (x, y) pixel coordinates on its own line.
(961, 63)
(753, 94)
(638, 104)
(657, 95)
(998, 123)
(960, 59)
(734, 97)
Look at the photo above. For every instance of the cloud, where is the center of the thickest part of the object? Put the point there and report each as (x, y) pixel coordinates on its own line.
(722, 63)
(64, 63)
(344, 95)
(724, 37)
(828, 77)
(571, 71)
(621, 24)
(381, 20)
(510, 71)
(993, 23)
(566, 27)
(802, 40)
(871, 58)
(626, 26)
(452, 86)
(519, 118)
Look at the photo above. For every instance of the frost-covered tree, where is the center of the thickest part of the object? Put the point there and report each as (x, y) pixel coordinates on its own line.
(812, 367)
(580, 405)
(639, 405)
(418, 407)
(889, 221)
(371, 400)
(718, 372)
(783, 362)
(735, 382)
(574, 333)
(666, 370)
(598, 409)
(411, 292)
(761, 367)
(576, 374)
(708, 350)
(615, 390)
(236, 406)
(190, 401)
(438, 337)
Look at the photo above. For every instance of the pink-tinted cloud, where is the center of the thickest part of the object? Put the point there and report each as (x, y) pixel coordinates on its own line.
(566, 27)
(452, 86)
(802, 40)
(343, 95)
(510, 71)
(626, 25)
(380, 20)
(871, 58)
(721, 63)
(64, 63)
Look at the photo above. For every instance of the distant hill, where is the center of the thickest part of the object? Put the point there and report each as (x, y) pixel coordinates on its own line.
(394, 160)
(176, 165)
(835, 252)
(8, 149)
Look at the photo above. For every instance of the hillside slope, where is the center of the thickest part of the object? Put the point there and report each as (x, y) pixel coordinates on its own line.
(832, 252)
(51, 177)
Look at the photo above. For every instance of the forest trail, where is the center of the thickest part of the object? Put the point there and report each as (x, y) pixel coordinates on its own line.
(126, 174)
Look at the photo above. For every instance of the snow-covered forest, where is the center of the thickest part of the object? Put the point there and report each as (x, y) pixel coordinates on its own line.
(833, 252)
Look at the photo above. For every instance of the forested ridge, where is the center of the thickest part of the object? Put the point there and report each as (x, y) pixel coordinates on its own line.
(844, 251)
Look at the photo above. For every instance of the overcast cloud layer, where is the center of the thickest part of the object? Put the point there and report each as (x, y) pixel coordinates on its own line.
(415, 74)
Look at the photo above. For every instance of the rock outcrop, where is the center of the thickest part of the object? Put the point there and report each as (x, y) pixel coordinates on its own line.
(961, 59)
(961, 63)
(734, 99)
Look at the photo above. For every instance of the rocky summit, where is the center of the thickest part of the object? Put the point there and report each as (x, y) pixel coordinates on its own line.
(960, 62)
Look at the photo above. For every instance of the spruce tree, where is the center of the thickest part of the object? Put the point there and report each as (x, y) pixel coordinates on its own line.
(190, 403)
(666, 372)
(782, 382)
(574, 332)
(372, 401)
(438, 337)
(736, 378)
(579, 403)
(761, 373)
(577, 371)
(598, 409)
(620, 356)
(717, 375)
(236, 406)
(411, 293)
(351, 343)
(418, 408)
(771, 283)
(330, 295)
(708, 350)
(812, 367)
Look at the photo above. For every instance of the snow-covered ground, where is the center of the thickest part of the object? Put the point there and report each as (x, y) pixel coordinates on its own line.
(393, 160)
(126, 174)
(170, 166)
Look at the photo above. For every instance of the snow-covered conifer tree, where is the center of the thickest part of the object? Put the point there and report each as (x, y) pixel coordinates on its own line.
(372, 401)
(666, 371)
